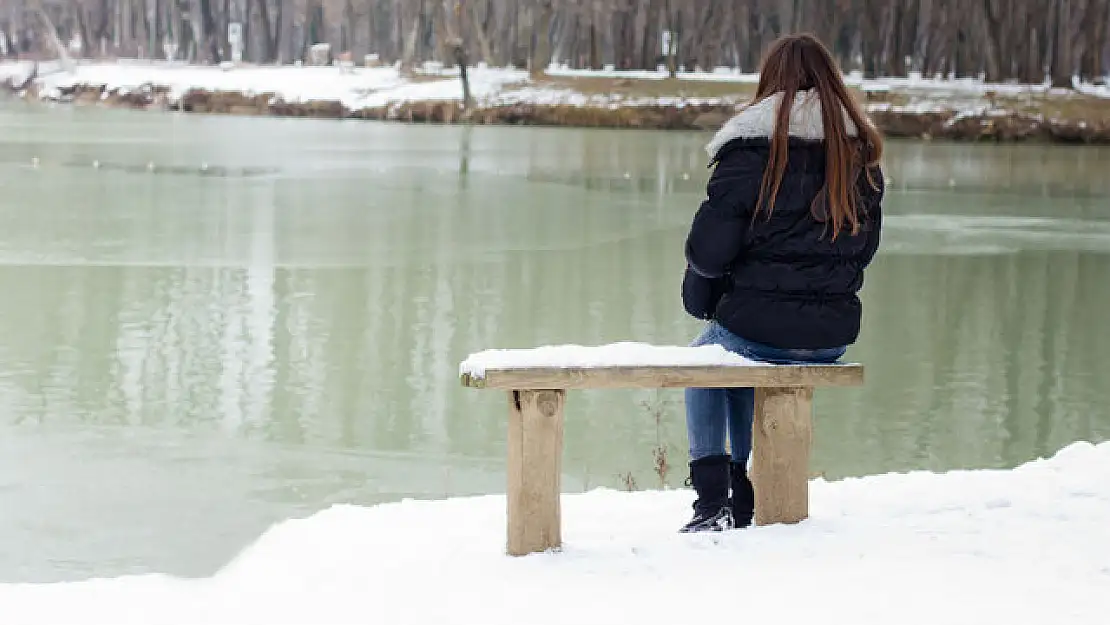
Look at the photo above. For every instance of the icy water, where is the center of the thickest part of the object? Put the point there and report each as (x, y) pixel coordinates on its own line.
(211, 324)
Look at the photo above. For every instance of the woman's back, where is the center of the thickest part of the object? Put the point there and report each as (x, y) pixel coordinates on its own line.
(777, 250)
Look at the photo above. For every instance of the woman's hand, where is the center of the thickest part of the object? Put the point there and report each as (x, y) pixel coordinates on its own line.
(700, 295)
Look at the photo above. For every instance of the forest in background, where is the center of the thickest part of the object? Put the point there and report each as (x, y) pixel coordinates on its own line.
(1002, 40)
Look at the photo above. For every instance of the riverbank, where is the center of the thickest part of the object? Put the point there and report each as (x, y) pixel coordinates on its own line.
(914, 107)
(1022, 546)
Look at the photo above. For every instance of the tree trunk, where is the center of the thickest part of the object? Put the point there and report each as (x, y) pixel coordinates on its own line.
(1095, 25)
(460, 60)
(83, 31)
(896, 60)
(871, 36)
(541, 53)
(674, 26)
(269, 47)
(478, 28)
(1032, 71)
(707, 51)
(993, 48)
(51, 35)
(283, 25)
(1062, 67)
(595, 55)
(408, 58)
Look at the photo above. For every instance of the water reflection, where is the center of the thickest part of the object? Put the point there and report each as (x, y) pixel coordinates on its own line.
(974, 359)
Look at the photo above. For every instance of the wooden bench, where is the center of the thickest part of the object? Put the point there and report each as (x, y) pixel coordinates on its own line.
(537, 381)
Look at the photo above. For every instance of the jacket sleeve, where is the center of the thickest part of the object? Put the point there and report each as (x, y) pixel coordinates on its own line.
(700, 295)
(716, 237)
(874, 214)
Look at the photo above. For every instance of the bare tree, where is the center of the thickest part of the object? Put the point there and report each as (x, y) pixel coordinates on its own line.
(541, 49)
(1003, 40)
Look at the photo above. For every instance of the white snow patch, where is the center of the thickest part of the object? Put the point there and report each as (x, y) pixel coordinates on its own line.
(915, 107)
(624, 354)
(15, 72)
(1023, 547)
(720, 75)
(362, 88)
(913, 82)
(549, 96)
(1098, 91)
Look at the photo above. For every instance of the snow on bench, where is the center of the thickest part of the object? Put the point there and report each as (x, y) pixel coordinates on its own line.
(639, 365)
(537, 380)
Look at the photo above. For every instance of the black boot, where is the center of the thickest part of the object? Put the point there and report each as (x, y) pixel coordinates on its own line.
(709, 477)
(743, 495)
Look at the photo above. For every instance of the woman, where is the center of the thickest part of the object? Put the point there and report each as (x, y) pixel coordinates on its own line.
(776, 252)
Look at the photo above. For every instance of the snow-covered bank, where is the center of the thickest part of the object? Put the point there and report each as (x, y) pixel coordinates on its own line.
(1027, 546)
(910, 107)
(362, 88)
(371, 87)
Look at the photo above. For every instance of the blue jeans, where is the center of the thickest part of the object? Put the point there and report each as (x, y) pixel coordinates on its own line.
(710, 410)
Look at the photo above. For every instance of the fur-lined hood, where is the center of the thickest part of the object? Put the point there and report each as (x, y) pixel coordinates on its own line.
(758, 121)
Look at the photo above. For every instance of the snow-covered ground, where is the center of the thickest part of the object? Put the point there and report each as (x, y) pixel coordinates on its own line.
(1026, 546)
(362, 88)
(377, 87)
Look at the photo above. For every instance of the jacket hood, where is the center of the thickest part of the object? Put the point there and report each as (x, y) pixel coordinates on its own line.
(757, 120)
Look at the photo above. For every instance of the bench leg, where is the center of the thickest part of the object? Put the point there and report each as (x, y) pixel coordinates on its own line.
(535, 466)
(783, 432)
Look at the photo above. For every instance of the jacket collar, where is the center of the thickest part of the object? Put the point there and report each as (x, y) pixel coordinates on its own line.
(757, 121)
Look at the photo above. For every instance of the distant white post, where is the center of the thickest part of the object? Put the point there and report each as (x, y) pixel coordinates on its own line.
(76, 45)
(235, 39)
(169, 46)
(670, 51)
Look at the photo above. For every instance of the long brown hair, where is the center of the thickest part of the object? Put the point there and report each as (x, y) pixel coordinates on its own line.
(801, 62)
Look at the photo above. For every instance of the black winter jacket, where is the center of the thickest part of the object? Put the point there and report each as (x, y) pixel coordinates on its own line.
(782, 282)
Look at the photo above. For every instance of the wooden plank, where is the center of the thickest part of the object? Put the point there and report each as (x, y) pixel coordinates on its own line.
(696, 376)
(783, 433)
(535, 464)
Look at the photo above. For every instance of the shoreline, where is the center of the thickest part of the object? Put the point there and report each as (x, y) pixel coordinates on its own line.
(955, 112)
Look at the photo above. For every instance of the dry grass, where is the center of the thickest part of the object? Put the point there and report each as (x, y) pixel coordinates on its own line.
(630, 88)
(658, 411)
(1074, 107)
(644, 88)
(1064, 107)
(1070, 107)
(417, 77)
